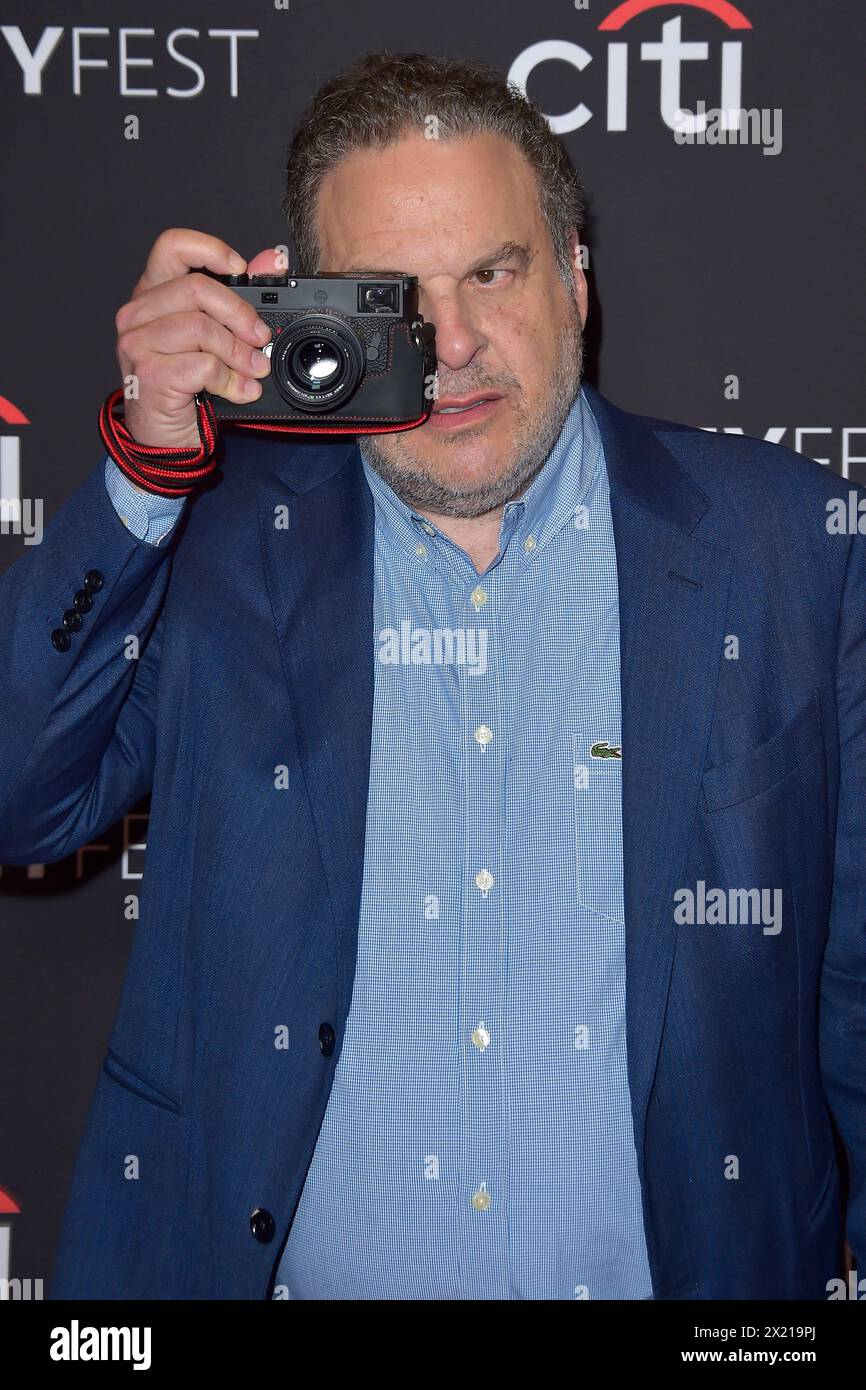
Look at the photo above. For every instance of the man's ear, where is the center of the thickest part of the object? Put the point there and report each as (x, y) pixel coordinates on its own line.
(579, 258)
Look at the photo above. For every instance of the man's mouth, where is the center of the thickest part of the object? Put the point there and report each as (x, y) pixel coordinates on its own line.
(450, 411)
(453, 405)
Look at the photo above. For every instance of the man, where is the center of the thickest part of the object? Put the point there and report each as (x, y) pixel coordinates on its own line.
(503, 933)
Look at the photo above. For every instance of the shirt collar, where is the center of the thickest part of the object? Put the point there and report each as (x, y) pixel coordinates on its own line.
(550, 502)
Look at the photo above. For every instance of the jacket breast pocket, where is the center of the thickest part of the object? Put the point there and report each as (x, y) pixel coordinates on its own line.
(131, 1081)
(788, 750)
(598, 826)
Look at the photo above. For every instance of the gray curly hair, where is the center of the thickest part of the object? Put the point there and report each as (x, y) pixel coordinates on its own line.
(381, 97)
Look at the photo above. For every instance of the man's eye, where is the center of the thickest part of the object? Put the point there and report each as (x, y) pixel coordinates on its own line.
(491, 271)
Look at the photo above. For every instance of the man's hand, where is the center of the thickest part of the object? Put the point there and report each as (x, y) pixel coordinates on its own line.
(182, 332)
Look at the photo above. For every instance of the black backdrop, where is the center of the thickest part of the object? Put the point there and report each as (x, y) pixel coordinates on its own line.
(727, 292)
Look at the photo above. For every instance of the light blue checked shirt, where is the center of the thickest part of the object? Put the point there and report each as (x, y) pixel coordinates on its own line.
(148, 516)
(477, 1143)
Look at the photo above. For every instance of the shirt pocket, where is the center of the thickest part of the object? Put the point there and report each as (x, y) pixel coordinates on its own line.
(598, 825)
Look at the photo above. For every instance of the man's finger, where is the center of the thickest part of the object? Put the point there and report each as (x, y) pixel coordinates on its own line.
(270, 262)
(179, 249)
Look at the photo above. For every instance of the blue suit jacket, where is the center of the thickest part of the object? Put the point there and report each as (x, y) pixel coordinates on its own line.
(257, 651)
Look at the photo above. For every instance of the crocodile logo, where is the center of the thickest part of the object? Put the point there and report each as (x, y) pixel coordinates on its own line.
(603, 750)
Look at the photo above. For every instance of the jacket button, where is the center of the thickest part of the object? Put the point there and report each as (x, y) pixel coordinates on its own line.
(61, 640)
(93, 581)
(262, 1225)
(82, 602)
(71, 620)
(327, 1038)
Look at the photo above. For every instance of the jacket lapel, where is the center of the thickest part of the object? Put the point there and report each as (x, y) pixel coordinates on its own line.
(319, 572)
(673, 592)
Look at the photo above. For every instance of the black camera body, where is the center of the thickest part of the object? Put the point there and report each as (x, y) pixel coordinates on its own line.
(349, 354)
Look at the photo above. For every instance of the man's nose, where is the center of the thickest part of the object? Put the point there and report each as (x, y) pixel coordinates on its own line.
(458, 335)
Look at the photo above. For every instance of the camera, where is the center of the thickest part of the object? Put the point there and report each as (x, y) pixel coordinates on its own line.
(349, 354)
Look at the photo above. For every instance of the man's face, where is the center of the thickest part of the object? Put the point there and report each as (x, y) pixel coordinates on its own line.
(464, 217)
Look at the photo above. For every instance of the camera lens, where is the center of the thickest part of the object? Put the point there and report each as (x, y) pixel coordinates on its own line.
(314, 362)
(317, 362)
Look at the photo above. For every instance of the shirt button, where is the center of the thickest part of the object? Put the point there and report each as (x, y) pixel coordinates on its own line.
(125, 520)
(529, 544)
(480, 1036)
(421, 550)
(484, 880)
(483, 735)
(481, 1198)
(425, 526)
(478, 597)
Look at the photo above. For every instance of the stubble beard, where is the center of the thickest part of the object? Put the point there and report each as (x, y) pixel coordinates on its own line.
(529, 451)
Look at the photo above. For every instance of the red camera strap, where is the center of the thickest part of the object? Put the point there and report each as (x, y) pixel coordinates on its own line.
(177, 472)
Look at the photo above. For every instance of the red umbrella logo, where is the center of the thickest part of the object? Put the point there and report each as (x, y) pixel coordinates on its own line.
(8, 1207)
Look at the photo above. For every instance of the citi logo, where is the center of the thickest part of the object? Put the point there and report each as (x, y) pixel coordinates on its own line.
(670, 52)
